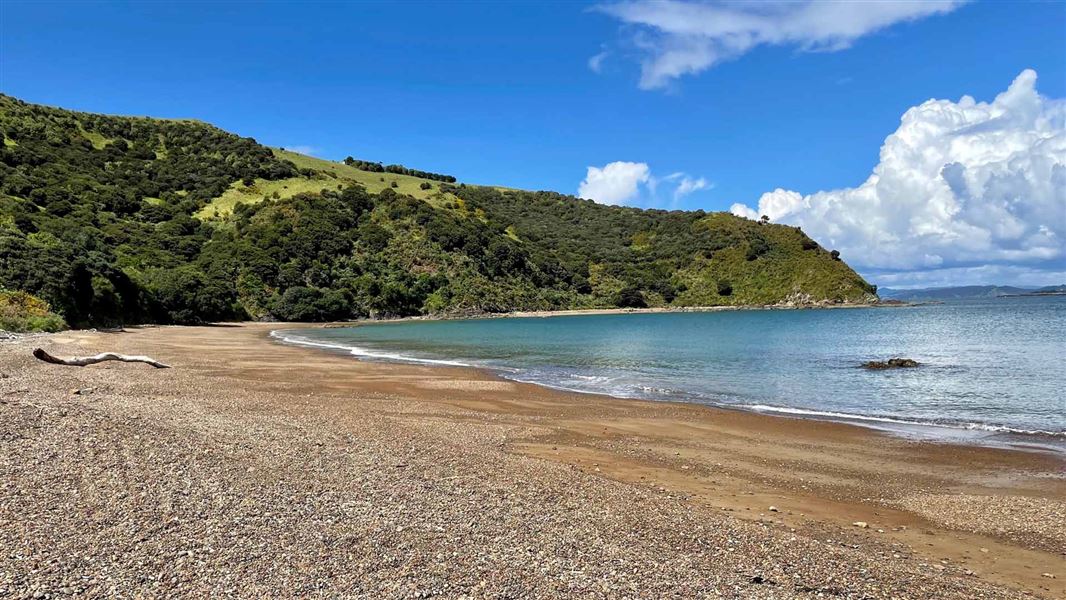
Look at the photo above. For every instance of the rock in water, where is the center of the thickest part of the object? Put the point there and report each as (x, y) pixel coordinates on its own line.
(892, 363)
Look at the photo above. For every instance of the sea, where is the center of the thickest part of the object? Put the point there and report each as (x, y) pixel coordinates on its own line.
(992, 370)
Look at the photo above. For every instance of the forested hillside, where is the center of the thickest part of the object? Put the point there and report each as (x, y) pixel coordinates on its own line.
(121, 220)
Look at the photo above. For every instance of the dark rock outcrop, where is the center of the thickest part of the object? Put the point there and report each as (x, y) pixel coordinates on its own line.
(892, 363)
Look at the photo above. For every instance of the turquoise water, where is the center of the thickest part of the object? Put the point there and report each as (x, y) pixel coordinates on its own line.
(988, 366)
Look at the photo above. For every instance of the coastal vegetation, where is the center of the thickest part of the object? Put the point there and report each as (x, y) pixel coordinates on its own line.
(20, 312)
(111, 220)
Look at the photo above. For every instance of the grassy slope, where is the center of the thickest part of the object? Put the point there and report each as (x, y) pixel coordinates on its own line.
(785, 270)
(98, 140)
(328, 175)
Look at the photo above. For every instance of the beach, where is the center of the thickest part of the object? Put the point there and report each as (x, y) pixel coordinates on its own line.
(256, 468)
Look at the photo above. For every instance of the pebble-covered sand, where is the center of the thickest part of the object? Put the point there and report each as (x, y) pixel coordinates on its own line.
(238, 475)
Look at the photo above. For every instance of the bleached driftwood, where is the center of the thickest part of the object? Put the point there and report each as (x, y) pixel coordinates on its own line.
(82, 361)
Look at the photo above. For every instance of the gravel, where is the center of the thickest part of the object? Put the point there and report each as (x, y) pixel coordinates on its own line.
(189, 482)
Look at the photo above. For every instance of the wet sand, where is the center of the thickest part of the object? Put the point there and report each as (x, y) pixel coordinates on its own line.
(256, 468)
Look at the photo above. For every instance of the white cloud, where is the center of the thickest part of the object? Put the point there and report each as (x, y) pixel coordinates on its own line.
(960, 186)
(308, 150)
(633, 184)
(616, 183)
(687, 185)
(596, 62)
(679, 38)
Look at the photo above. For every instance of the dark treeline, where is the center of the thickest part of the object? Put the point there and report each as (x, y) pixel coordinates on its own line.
(97, 219)
(376, 167)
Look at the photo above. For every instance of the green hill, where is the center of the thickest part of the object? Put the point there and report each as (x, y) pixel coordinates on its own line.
(327, 175)
(128, 219)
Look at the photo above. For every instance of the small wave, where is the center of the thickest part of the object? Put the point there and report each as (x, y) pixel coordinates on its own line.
(363, 352)
(663, 391)
(590, 378)
(558, 386)
(877, 419)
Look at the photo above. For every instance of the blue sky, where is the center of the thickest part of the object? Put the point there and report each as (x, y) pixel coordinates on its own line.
(504, 93)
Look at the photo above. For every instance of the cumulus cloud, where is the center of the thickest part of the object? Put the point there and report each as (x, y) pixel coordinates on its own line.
(633, 184)
(677, 38)
(960, 187)
(616, 183)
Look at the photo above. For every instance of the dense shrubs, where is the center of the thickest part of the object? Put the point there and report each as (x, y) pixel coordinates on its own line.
(313, 304)
(631, 298)
(23, 312)
(187, 295)
(757, 246)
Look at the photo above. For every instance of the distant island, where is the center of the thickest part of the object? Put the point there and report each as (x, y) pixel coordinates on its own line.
(109, 220)
(1049, 291)
(968, 292)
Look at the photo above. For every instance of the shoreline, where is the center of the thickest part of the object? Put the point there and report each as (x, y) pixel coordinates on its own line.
(994, 436)
(341, 472)
(576, 312)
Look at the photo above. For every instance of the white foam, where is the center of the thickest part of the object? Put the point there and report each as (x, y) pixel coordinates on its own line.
(874, 419)
(591, 378)
(563, 388)
(363, 352)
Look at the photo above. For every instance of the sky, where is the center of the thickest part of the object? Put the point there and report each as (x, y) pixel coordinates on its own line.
(924, 140)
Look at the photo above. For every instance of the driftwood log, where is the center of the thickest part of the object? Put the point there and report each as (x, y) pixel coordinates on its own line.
(82, 361)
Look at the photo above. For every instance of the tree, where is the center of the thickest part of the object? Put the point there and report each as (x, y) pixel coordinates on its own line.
(298, 304)
(756, 248)
(631, 297)
(312, 304)
(187, 296)
(725, 288)
(835, 254)
(357, 199)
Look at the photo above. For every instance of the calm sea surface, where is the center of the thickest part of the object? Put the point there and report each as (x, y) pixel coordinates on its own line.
(993, 368)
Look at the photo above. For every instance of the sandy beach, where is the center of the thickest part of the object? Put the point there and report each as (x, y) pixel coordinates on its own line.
(254, 469)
